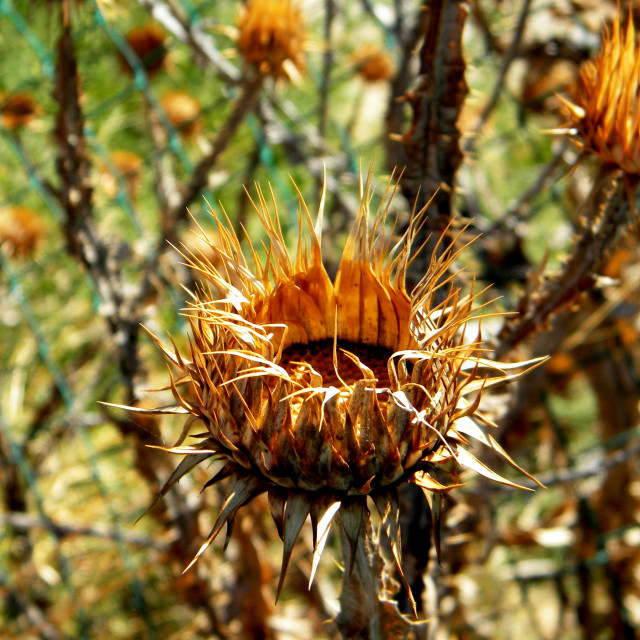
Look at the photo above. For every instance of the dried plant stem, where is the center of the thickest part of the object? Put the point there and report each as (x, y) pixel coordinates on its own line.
(244, 104)
(600, 230)
(365, 612)
(522, 210)
(76, 201)
(26, 522)
(327, 63)
(359, 615)
(408, 38)
(432, 143)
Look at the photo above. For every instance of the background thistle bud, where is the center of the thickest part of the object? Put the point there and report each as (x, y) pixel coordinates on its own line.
(128, 166)
(148, 43)
(21, 230)
(18, 110)
(372, 63)
(271, 37)
(183, 111)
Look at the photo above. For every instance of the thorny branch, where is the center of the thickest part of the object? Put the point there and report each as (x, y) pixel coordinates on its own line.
(246, 102)
(546, 297)
(432, 157)
(75, 197)
(103, 264)
(431, 145)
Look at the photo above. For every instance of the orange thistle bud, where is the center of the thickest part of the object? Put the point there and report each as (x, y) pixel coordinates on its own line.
(129, 166)
(372, 64)
(183, 111)
(21, 231)
(322, 393)
(607, 113)
(18, 109)
(148, 43)
(271, 37)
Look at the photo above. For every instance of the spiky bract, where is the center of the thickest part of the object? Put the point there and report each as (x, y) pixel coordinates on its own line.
(607, 111)
(325, 393)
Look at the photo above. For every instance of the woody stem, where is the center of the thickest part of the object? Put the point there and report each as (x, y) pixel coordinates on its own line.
(360, 614)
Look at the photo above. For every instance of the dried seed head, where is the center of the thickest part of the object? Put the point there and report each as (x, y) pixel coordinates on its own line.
(21, 230)
(325, 393)
(373, 64)
(271, 37)
(607, 113)
(18, 110)
(183, 111)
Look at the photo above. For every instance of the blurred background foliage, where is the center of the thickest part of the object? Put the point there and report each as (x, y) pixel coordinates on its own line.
(105, 142)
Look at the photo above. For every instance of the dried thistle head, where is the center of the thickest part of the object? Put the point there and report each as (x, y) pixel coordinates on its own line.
(271, 37)
(606, 115)
(373, 64)
(183, 111)
(18, 110)
(325, 394)
(21, 230)
(148, 42)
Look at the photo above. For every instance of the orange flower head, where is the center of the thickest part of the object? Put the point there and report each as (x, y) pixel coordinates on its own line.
(21, 230)
(327, 393)
(271, 37)
(607, 113)
(183, 111)
(372, 64)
